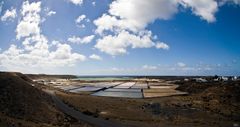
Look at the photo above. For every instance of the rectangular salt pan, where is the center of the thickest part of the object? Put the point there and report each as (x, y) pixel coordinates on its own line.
(149, 95)
(107, 85)
(159, 91)
(119, 94)
(65, 88)
(122, 90)
(86, 89)
(143, 86)
(125, 85)
(163, 87)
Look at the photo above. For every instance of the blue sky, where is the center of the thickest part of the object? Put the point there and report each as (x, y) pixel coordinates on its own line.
(121, 37)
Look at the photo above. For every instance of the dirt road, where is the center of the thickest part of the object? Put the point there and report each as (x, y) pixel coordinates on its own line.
(98, 122)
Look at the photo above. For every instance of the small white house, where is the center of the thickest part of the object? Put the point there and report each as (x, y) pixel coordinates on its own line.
(224, 78)
(200, 80)
(235, 78)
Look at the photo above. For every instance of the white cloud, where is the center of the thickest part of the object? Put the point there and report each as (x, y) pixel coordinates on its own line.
(76, 2)
(140, 13)
(134, 16)
(95, 57)
(35, 54)
(84, 40)
(222, 2)
(118, 44)
(127, 21)
(206, 9)
(29, 24)
(80, 18)
(161, 45)
(94, 3)
(63, 52)
(16, 59)
(180, 64)
(149, 67)
(9, 15)
(50, 13)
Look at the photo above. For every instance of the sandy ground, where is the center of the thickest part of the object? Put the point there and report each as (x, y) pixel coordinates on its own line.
(170, 111)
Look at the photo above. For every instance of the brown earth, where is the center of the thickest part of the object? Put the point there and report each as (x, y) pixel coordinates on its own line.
(208, 104)
(23, 105)
(222, 98)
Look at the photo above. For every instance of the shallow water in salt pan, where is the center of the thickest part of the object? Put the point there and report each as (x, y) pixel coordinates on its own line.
(119, 94)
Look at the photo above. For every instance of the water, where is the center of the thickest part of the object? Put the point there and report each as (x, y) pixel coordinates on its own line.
(125, 85)
(122, 90)
(86, 89)
(65, 88)
(119, 94)
(143, 86)
(102, 78)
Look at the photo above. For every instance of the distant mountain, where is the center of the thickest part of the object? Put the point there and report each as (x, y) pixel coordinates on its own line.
(43, 76)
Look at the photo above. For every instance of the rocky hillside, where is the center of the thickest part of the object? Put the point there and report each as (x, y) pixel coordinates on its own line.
(44, 76)
(21, 104)
(218, 97)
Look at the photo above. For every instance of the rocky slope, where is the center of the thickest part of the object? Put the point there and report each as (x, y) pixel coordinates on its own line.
(22, 104)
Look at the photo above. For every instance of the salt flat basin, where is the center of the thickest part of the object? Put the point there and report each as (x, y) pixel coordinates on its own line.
(68, 87)
(107, 85)
(125, 85)
(86, 89)
(159, 84)
(164, 87)
(140, 85)
(165, 90)
(150, 95)
(119, 94)
(122, 90)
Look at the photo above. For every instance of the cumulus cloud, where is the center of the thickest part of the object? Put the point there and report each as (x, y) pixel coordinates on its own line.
(127, 20)
(80, 19)
(95, 57)
(117, 45)
(50, 13)
(140, 13)
(78, 40)
(134, 16)
(206, 9)
(35, 52)
(222, 2)
(9, 15)
(94, 3)
(180, 64)
(161, 45)
(29, 24)
(149, 67)
(76, 2)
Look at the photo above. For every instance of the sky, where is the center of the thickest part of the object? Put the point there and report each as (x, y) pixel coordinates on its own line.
(120, 37)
